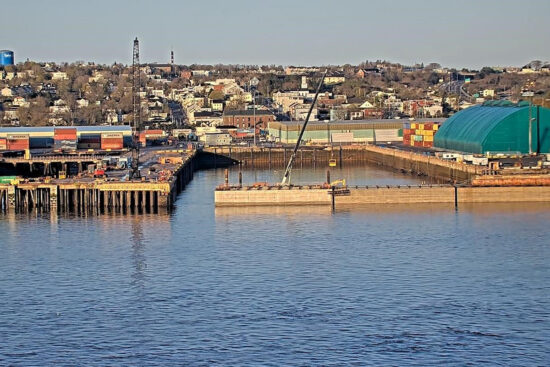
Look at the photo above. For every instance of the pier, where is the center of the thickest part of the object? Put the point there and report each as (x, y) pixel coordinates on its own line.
(154, 192)
(364, 195)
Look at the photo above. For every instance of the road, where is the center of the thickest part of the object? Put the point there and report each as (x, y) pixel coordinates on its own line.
(177, 113)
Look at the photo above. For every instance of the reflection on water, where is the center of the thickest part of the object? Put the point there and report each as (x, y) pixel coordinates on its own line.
(140, 264)
(421, 284)
(276, 210)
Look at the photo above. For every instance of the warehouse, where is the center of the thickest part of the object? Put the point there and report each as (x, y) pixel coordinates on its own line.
(336, 131)
(43, 136)
(496, 127)
(341, 131)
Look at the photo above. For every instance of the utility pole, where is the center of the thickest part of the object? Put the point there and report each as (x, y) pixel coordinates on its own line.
(530, 95)
(136, 104)
(254, 119)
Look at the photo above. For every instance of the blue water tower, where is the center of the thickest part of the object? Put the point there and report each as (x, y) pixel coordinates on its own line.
(6, 58)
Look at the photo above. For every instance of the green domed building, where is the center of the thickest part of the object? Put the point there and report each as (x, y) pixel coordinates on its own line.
(496, 127)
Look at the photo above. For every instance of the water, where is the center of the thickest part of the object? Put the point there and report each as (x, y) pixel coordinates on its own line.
(383, 285)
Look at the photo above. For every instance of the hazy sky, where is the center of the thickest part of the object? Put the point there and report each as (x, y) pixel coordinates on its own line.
(465, 33)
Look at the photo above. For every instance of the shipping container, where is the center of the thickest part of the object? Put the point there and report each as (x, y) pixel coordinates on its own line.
(65, 145)
(429, 138)
(152, 134)
(88, 145)
(417, 137)
(112, 141)
(89, 142)
(414, 125)
(18, 141)
(3, 144)
(7, 179)
(427, 144)
(64, 134)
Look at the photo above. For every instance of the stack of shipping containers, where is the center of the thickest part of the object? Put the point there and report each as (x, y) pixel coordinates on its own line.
(18, 142)
(112, 141)
(65, 139)
(3, 144)
(419, 134)
(155, 137)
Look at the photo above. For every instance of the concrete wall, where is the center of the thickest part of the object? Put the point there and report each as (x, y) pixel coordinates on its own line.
(395, 195)
(272, 197)
(382, 195)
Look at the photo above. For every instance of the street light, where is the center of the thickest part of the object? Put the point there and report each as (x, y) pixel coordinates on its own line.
(530, 95)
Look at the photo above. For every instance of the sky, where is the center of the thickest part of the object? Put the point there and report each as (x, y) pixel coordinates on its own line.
(465, 33)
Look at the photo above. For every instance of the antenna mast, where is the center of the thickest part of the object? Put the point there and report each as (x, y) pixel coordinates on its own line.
(136, 86)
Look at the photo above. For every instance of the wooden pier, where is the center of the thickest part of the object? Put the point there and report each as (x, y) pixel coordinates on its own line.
(88, 195)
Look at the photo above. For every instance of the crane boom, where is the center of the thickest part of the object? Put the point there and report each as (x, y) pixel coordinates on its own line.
(286, 177)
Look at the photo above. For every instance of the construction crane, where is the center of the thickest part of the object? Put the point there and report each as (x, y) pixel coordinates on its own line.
(286, 177)
(136, 103)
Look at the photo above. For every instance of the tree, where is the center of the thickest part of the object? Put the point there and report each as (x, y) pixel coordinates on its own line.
(216, 95)
(433, 78)
(36, 114)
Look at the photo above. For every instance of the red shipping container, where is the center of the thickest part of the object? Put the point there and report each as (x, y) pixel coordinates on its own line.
(112, 141)
(112, 144)
(418, 143)
(154, 133)
(427, 144)
(18, 142)
(64, 134)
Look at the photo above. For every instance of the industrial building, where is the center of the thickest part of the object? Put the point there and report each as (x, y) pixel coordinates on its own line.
(87, 136)
(6, 58)
(341, 131)
(496, 127)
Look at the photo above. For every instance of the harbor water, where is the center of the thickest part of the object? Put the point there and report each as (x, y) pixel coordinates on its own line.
(204, 286)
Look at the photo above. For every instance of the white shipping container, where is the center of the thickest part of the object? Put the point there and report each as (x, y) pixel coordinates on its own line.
(387, 135)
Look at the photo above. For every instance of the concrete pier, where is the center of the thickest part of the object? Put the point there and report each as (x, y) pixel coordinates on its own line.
(404, 194)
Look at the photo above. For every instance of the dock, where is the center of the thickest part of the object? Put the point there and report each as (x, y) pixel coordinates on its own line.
(162, 180)
(226, 196)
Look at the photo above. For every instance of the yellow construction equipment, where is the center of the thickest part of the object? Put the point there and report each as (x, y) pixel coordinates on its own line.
(339, 182)
(332, 163)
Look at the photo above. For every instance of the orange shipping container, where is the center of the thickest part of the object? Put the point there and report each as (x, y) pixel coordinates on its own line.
(64, 134)
(3, 144)
(154, 133)
(111, 143)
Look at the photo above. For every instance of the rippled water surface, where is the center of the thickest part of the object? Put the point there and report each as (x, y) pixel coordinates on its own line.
(383, 285)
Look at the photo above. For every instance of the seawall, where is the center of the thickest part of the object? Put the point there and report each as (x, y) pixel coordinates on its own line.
(403, 161)
(305, 195)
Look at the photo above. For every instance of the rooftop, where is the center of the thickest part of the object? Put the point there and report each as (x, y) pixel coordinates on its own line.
(246, 112)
